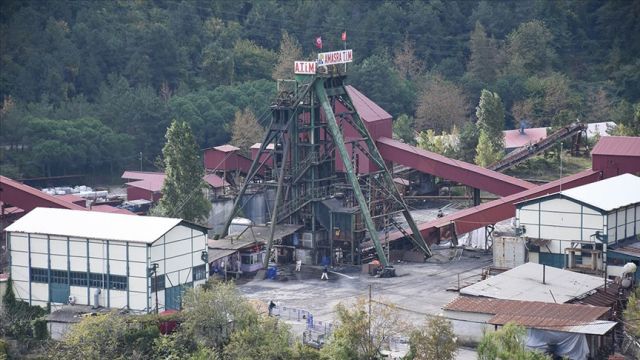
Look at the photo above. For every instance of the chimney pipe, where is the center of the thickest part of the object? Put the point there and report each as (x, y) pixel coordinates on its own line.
(544, 270)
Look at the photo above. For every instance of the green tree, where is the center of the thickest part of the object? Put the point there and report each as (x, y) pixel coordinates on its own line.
(444, 144)
(530, 48)
(211, 316)
(486, 153)
(482, 65)
(267, 338)
(507, 344)
(441, 105)
(468, 141)
(434, 340)
(110, 335)
(631, 314)
(183, 190)
(360, 334)
(490, 114)
(404, 129)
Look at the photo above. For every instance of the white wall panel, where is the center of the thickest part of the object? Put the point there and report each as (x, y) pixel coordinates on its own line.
(118, 299)
(39, 260)
(530, 207)
(137, 253)
(137, 301)
(20, 258)
(178, 233)
(137, 269)
(78, 263)
(117, 267)
(178, 248)
(117, 251)
(186, 276)
(560, 205)
(559, 233)
(592, 221)
(80, 293)
(612, 233)
(197, 260)
(77, 248)
(563, 219)
(172, 280)
(21, 290)
(97, 249)
(590, 211)
(19, 242)
(19, 273)
(138, 284)
(58, 247)
(58, 262)
(178, 263)
(98, 265)
(39, 244)
(157, 252)
(39, 292)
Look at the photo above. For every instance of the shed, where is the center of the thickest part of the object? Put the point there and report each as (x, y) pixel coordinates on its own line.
(64, 256)
(615, 155)
(576, 330)
(569, 228)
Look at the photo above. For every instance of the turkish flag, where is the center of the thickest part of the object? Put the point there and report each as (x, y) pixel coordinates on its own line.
(319, 42)
(344, 36)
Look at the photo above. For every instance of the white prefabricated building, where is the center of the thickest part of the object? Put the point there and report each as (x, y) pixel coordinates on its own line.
(577, 225)
(61, 256)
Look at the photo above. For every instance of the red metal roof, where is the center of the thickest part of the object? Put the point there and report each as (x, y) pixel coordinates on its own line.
(215, 181)
(111, 209)
(367, 109)
(514, 139)
(617, 145)
(450, 169)
(72, 198)
(141, 175)
(533, 314)
(28, 198)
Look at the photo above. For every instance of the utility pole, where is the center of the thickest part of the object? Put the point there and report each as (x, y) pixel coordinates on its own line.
(370, 339)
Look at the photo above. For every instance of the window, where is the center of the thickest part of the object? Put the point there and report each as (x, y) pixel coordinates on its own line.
(78, 278)
(199, 272)
(59, 277)
(118, 282)
(97, 280)
(157, 281)
(39, 275)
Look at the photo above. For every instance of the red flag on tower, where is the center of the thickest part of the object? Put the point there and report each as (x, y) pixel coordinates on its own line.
(344, 36)
(319, 42)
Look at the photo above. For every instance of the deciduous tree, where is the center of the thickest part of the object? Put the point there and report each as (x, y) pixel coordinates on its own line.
(490, 114)
(246, 130)
(404, 129)
(289, 52)
(507, 344)
(434, 340)
(441, 105)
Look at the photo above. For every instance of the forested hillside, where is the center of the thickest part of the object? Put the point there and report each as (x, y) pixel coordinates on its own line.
(89, 85)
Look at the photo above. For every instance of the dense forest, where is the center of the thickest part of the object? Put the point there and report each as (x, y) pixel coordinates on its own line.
(89, 87)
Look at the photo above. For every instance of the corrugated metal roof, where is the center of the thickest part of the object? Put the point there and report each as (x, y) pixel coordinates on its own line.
(617, 145)
(257, 146)
(5, 181)
(524, 282)
(111, 209)
(608, 194)
(367, 109)
(632, 249)
(536, 314)
(94, 225)
(514, 139)
(151, 181)
(226, 148)
(215, 181)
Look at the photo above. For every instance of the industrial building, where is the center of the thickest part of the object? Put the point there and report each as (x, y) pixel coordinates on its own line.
(576, 228)
(61, 256)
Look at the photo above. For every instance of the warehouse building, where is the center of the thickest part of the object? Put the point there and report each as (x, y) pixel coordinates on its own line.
(576, 228)
(120, 261)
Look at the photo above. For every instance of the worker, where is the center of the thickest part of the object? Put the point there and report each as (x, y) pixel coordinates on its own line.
(272, 305)
(440, 213)
(298, 265)
(325, 273)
